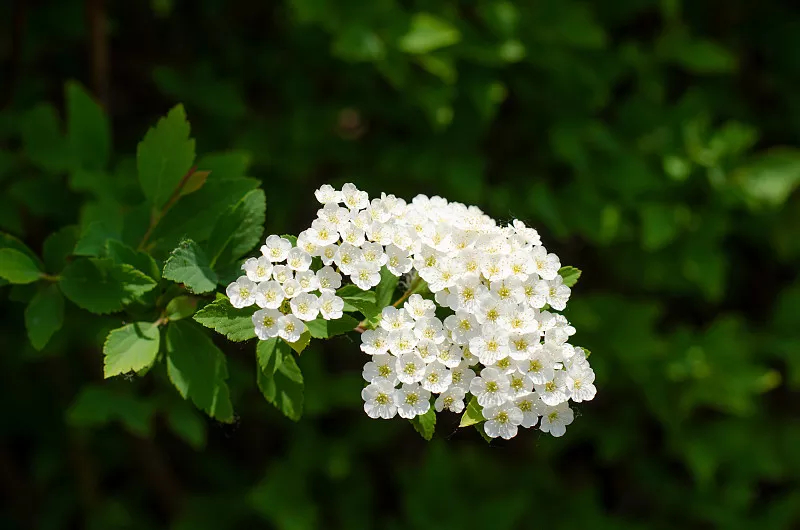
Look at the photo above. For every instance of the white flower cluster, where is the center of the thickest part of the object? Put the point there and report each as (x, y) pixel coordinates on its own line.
(493, 337)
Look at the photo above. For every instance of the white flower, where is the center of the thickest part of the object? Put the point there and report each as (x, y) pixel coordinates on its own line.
(266, 322)
(335, 216)
(306, 244)
(427, 349)
(403, 341)
(580, 383)
(418, 307)
(555, 419)
(269, 295)
(463, 326)
(282, 273)
(522, 345)
(257, 269)
(375, 342)
(291, 288)
(365, 276)
(529, 405)
(519, 384)
(330, 306)
(429, 328)
(298, 259)
(468, 294)
(323, 233)
(353, 198)
(462, 375)
(502, 420)
(557, 293)
(276, 248)
(394, 319)
(437, 378)
(290, 328)
(347, 257)
(353, 235)
(490, 388)
(381, 368)
(554, 391)
(373, 254)
(379, 400)
(308, 281)
(327, 194)
(327, 253)
(491, 345)
(305, 306)
(242, 292)
(539, 368)
(397, 260)
(449, 355)
(328, 279)
(410, 368)
(545, 265)
(451, 399)
(530, 235)
(412, 401)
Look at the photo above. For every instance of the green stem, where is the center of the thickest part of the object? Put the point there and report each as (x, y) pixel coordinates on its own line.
(411, 289)
(156, 216)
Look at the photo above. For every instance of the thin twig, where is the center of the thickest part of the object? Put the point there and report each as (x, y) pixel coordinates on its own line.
(411, 289)
(156, 216)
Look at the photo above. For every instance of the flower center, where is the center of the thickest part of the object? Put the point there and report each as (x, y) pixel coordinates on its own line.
(525, 406)
(412, 398)
(550, 386)
(492, 387)
(384, 370)
(382, 399)
(244, 292)
(409, 368)
(502, 417)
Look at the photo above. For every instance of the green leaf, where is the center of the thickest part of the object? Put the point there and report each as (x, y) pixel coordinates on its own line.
(325, 329)
(44, 315)
(58, 247)
(185, 422)
(121, 253)
(302, 343)
(96, 406)
(195, 181)
(570, 275)
(239, 229)
(473, 414)
(427, 33)
(659, 226)
(88, 130)
(95, 235)
(425, 424)
(189, 265)
(482, 432)
(771, 177)
(280, 379)
(165, 156)
(101, 286)
(385, 289)
(222, 317)
(225, 165)
(198, 370)
(357, 300)
(131, 348)
(181, 307)
(17, 267)
(42, 141)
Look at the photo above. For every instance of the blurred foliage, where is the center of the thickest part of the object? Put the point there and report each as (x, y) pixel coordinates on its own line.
(652, 142)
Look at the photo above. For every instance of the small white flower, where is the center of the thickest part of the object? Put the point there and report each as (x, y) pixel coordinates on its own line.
(491, 345)
(518, 384)
(305, 306)
(539, 368)
(269, 295)
(347, 257)
(555, 419)
(242, 292)
(267, 322)
(545, 265)
(403, 341)
(418, 307)
(276, 248)
(580, 382)
(257, 269)
(450, 356)
(430, 328)
(306, 244)
(437, 378)
(327, 253)
(291, 288)
(298, 259)
(397, 260)
(412, 401)
(554, 391)
(282, 273)
(557, 293)
(353, 235)
(490, 388)
(529, 405)
(328, 279)
(353, 198)
(462, 376)
(330, 306)
(410, 368)
(522, 345)
(381, 368)
(326, 194)
(365, 275)
(502, 420)
(323, 233)
(308, 281)
(427, 349)
(379, 400)
(375, 342)
(373, 254)
(451, 399)
(394, 319)
(290, 328)
(463, 326)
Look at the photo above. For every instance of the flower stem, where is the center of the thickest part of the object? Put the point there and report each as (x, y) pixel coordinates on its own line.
(409, 292)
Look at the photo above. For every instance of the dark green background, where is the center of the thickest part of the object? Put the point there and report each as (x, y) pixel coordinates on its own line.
(650, 142)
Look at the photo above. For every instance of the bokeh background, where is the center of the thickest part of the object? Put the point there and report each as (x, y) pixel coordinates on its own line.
(652, 143)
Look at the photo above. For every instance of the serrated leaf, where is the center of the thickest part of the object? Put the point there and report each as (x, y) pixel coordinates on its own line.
(102, 286)
(270, 354)
(44, 315)
(96, 406)
(222, 317)
(570, 275)
(120, 253)
(283, 387)
(17, 267)
(189, 265)
(88, 129)
(42, 141)
(427, 33)
(131, 348)
(385, 289)
(58, 247)
(9, 241)
(473, 414)
(181, 307)
(238, 229)
(425, 424)
(198, 369)
(325, 329)
(302, 343)
(185, 422)
(165, 156)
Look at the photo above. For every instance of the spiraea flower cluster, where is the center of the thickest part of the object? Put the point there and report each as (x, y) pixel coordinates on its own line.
(476, 322)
